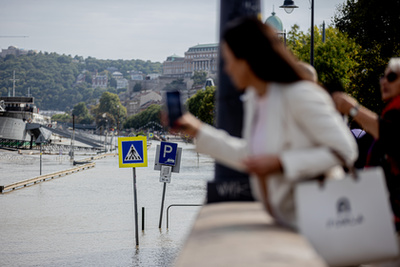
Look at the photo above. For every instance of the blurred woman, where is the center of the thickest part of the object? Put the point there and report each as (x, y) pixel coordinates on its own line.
(291, 128)
(385, 129)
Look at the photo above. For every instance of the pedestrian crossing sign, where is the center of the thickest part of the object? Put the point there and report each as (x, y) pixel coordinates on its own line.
(132, 151)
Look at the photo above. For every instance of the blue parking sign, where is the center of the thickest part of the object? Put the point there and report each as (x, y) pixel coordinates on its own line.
(168, 153)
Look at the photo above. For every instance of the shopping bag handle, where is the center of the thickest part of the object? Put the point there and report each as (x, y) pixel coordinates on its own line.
(351, 170)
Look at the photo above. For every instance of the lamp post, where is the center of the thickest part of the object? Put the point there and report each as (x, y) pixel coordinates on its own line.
(117, 120)
(288, 6)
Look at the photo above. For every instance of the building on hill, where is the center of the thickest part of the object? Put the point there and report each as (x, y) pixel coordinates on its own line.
(202, 57)
(100, 81)
(121, 81)
(141, 101)
(12, 50)
(136, 75)
(174, 66)
(117, 75)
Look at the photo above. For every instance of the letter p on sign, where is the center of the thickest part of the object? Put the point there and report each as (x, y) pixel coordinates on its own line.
(168, 153)
(167, 150)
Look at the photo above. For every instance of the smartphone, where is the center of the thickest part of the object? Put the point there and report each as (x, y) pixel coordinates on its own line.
(173, 107)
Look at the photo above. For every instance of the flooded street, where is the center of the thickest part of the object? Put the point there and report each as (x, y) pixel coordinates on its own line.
(87, 218)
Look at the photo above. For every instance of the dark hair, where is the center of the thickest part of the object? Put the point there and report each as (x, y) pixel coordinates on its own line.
(259, 45)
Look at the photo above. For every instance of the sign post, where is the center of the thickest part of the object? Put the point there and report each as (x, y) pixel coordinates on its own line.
(136, 209)
(132, 152)
(40, 140)
(40, 158)
(168, 155)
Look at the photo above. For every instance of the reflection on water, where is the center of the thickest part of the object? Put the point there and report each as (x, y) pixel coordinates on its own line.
(87, 219)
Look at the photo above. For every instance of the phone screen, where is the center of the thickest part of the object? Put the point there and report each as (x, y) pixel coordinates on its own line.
(174, 106)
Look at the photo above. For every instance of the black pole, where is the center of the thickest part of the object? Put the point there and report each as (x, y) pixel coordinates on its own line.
(162, 204)
(40, 158)
(229, 106)
(72, 138)
(136, 209)
(142, 218)
(312, 34)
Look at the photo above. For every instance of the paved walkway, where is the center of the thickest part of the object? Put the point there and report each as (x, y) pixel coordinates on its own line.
(238, 234)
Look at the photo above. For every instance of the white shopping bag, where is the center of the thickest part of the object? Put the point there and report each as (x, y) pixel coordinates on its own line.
(348, 221)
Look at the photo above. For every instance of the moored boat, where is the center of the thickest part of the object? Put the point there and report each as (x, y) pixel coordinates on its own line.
(20, 120)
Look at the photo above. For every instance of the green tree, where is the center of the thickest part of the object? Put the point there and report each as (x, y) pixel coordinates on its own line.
(202, 105)
(80, 110)
(375, 25)
(61, 117)
(82, 113)
(151, 114)
(372, 23)
(199, 78)
(336, 59)
(110, 111)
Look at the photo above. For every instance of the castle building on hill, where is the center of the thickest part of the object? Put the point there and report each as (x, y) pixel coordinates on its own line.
(12, 50)
(174, 66)
(202, 57)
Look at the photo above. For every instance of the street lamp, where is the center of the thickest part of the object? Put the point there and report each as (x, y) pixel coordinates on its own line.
(289, 5)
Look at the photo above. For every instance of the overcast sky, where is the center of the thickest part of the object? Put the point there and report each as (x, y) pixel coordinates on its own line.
(130, 29)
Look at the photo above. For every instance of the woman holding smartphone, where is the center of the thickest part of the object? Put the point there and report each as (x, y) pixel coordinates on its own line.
(291, 131)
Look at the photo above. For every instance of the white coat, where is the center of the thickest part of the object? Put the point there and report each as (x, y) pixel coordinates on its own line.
(303, 127)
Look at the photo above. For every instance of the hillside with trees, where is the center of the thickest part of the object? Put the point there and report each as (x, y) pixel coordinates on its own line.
(51, 78)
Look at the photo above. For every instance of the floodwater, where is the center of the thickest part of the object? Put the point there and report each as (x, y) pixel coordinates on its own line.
(87, 218)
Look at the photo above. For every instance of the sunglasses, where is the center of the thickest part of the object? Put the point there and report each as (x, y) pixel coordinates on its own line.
(391, 77)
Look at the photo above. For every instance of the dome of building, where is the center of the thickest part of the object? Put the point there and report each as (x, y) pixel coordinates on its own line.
(275, 22)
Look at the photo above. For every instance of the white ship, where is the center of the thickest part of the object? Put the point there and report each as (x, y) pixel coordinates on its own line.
(20, 120)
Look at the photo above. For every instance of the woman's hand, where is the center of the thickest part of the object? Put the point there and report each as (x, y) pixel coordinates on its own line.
(263, 165)
(343, 102)
(188, 124)
(366, 118)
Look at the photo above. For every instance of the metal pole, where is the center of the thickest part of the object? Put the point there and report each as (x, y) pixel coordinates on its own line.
(229, 106)
(40, 158)
(136, 209)
(105, 150)
(312, 34)
(162, 204)
(142, 218)
(72, 139)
